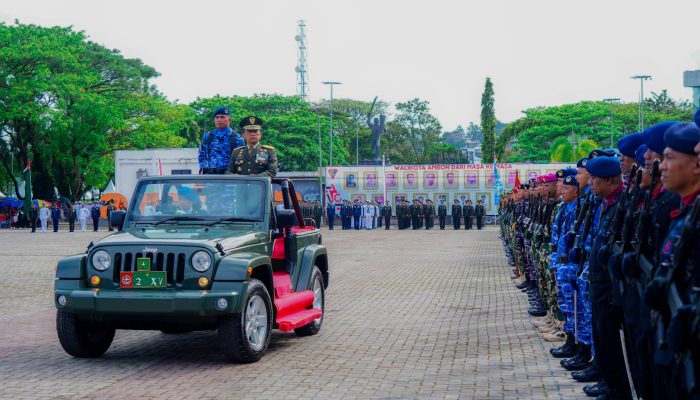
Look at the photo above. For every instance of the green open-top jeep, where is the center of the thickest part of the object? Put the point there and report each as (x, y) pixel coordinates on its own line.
(197, 253)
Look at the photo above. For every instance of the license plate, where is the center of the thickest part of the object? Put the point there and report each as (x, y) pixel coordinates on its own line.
(143, 280)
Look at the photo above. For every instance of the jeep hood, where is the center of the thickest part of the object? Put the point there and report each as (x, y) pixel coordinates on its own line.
(183, 236)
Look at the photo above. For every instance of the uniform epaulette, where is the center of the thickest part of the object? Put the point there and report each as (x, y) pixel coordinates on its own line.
(267, 147)
(239, 147)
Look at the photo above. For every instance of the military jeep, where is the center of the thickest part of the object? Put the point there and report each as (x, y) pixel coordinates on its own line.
(216, 252)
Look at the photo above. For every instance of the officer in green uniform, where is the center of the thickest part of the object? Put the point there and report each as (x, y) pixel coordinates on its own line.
(253, 158)
(442, 214)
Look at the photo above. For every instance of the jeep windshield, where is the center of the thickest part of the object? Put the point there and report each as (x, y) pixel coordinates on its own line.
(183, 201)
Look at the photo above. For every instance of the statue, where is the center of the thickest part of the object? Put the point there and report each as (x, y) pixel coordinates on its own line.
(378, 128)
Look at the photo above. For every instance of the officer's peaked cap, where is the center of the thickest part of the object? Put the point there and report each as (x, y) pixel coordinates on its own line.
(250, 122)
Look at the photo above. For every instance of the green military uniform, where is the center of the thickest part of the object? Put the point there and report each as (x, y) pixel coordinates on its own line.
(253, 160)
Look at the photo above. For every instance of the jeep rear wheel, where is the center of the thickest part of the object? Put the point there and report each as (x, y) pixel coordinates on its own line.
(81, 338)
(314, 326)
(244, 337)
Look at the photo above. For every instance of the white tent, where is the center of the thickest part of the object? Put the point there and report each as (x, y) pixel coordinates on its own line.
(110, 188)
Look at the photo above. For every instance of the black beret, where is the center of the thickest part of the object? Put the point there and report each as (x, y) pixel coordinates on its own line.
(222, 111)
(604, 167)
(629, 144)
(563, 173)
(571, 181)
(250, 122)
(602, 153)
(682, 137)
(654, 136)
(582, 162)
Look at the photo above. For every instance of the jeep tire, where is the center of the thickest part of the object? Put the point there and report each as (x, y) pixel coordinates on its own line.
(314, 326)
(80, 338)
(244, 337)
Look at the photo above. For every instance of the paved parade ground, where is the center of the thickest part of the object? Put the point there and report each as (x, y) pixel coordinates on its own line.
(409, 314)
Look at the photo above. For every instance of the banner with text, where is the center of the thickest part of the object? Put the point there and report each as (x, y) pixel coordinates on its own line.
(435, 182)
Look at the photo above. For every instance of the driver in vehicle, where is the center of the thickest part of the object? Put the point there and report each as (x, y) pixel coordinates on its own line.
(188, 202)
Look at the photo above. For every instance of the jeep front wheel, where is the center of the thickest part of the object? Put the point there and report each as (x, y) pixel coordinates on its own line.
(244, 337)
(314, 326)
(80, 338)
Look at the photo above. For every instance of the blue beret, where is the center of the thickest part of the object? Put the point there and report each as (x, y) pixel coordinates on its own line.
(654, 136)
(563, 173)
(604, 167)
(571, 181)
(603, 153)
(697, 117)
(682, 137)
(187, 193)
(639, 155)
(582, 162)
(222, 111)
(629, 144)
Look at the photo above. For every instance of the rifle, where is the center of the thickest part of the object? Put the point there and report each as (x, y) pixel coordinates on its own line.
(645, 264)
(587, 225)
(684, 247)
(617, 226)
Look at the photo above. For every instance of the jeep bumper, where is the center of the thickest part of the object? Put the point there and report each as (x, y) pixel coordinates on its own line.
(140, 302)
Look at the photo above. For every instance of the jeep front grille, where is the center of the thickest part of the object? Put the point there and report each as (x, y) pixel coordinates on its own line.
(172, 263)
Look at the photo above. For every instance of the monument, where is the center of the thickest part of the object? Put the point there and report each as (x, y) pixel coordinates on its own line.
(377, 126)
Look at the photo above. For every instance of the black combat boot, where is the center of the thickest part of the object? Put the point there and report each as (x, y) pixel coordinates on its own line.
(576, 356)
(595, 390)
(567, 350)
(583, 362)
(590, 374)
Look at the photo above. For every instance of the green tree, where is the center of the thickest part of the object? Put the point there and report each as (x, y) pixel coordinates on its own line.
(420, 128)
(488, 122)
(571, 148)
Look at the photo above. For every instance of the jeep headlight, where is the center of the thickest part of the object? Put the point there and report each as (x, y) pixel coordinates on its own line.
(201, 261)
(101, 260)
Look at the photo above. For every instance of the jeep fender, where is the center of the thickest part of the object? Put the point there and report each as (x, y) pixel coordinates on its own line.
(235, 266)
(72, 267)
(312, 255)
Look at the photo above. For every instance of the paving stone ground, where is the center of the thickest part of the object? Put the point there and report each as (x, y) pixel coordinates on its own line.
(409, 314)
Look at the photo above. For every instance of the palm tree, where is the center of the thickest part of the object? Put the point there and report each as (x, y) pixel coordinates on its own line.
(571, 148)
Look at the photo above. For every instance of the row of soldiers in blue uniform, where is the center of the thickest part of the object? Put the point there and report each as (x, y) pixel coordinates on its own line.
(607, 253)
(415, 215)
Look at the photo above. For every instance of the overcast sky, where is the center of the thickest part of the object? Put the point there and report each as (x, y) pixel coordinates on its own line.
(537, 53)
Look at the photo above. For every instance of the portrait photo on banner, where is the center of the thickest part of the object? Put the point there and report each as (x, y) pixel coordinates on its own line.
(397, 197)
(391, 180)
(350, 180)
(410, 180)
(511, 178)
(490, 179)
(370, 180)
(378, 197)
(430, 180)
(462, 197)
(485, 198)
(532, 174)
(450, 180)
(358, 196)
(440, 196)
(471, 179)
(420, 196)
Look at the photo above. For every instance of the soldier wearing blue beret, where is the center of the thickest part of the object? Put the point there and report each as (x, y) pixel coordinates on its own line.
(627, 146)
(253, 158)
(217, 144)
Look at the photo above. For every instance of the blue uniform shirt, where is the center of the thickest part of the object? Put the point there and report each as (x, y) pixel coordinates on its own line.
(215, 151)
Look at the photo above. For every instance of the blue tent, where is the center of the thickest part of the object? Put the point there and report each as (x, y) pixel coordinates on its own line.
(10, 202)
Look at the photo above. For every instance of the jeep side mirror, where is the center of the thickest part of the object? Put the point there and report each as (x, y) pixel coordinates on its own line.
(116, 219)
(285, 218)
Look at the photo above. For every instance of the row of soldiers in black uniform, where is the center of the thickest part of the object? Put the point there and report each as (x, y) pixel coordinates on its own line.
(609, 252)
(415, 215)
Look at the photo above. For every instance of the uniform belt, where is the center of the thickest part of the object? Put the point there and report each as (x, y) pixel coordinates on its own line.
(598, 277)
